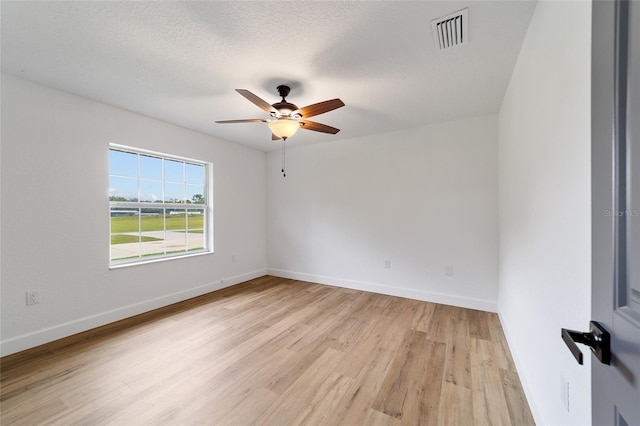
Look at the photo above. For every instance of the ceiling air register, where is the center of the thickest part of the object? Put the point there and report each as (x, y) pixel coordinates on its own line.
(451, 30)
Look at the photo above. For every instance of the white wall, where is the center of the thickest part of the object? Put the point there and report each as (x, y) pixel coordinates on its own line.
(55, 220)
(545, 200)
(424, 198)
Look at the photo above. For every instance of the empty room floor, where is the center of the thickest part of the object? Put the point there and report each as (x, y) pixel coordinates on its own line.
(274, 351)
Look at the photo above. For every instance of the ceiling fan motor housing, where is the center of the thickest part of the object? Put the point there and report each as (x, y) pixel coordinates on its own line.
(284, 107)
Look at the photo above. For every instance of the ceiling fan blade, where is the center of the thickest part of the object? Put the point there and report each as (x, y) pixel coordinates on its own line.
(274, 137)
(318, 127)
(261, 103)
(319, 108)
(248, 120)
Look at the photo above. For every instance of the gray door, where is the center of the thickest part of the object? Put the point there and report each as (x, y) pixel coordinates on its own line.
(616, 208)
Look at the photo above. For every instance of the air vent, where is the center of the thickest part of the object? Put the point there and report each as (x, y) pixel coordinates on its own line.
(451, 30)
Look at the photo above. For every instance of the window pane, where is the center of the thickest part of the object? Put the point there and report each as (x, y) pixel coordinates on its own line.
(176, 231)
(176, 220)
(152, 220)
(124, 220)
(124, 247)
(150, 191)
(194, 173)
(150, 167)
(174, 170)
(152, 236)
(195, 194)
(123, 189)
(174, 192)
(195, 220)
(125, 235)
(195, 229)
(123, 163)
(196, 241)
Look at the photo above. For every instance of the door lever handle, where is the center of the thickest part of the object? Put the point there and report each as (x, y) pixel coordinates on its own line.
(598, 339)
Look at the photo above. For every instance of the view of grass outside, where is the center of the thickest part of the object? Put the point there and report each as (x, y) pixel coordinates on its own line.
(150, 232)
(158, 204)
(120, 224)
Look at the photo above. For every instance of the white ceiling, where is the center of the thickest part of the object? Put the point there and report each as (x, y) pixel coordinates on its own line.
(181, 61)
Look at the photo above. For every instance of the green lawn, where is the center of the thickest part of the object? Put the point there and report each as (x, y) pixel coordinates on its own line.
(156, 223)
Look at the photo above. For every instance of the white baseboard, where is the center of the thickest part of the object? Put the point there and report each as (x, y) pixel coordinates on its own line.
(55, 332)
(410, 293)
(537, 417)
(59, 331)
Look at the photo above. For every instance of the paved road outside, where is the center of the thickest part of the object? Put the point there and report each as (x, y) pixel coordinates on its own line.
(169, 242)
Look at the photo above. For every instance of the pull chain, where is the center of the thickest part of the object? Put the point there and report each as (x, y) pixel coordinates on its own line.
(284, 174)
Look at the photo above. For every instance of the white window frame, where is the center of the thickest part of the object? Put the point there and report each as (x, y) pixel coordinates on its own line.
(208, 209)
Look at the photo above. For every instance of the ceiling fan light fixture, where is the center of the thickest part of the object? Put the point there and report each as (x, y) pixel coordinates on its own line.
(284, 128)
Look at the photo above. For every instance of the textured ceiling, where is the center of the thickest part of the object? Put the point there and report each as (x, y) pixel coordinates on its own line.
(181, 61)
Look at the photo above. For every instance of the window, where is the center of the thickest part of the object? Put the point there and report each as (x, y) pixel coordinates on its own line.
(160, 206)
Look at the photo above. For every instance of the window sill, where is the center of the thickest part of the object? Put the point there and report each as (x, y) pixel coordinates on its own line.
(156, 260)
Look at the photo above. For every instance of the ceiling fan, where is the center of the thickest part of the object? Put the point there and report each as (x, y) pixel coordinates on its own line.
(287, 118)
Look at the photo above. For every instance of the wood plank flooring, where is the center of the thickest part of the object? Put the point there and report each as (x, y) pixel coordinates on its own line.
(273, 351)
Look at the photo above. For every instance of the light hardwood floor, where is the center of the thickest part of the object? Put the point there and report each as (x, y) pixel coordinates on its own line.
(278, 352)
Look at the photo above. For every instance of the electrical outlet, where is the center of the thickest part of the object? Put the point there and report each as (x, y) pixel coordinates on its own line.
(387, 264)
(33, 297)
(448, 271)
(233, 258)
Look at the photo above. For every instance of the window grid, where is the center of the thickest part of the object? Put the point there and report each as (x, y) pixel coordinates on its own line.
(148, 226)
